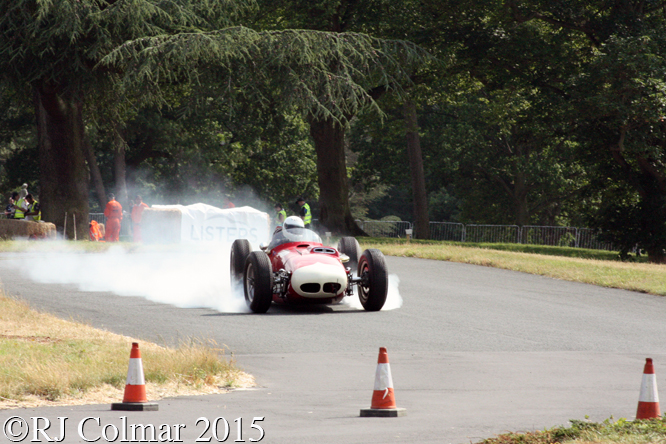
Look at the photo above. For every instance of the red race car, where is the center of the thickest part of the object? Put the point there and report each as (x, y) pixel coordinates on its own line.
(296, 268)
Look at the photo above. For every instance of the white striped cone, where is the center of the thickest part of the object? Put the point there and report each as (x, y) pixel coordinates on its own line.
(382, 396)
(135, 389)
(648, 401)
(383, 400)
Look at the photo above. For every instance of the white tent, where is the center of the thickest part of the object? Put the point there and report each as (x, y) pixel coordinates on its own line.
(205, 223)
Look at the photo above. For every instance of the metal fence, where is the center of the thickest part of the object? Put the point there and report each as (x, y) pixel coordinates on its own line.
(453, 231)
(125, 230)
(383, 228)
(447, 231)
(528, 234)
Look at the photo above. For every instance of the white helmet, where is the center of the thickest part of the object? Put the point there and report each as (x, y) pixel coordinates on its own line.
(293, 222)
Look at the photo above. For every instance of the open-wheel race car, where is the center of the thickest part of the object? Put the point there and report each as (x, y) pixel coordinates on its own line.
(296, 268)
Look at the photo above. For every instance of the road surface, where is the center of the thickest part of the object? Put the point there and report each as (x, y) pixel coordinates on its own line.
(474, 352)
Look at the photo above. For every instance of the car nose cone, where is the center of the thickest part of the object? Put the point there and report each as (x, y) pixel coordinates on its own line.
(319, 280)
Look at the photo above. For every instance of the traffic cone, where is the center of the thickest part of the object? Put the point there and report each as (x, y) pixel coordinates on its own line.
(135, 389)
(383, 399)
(648, 401)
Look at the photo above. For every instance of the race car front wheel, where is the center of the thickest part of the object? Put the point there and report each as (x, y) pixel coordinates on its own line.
(349, 246)
(240, 250)
(373, 289)
(258, 282)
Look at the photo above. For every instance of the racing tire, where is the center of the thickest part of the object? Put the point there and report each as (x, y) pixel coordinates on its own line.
(258, 282)
(373, 290)
(349, 246)
(240, 250)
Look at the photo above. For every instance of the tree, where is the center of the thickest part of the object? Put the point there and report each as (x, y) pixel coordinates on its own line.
(328, 131)
(52, 49)
(616, 93)
(623, 96)
(55, 49)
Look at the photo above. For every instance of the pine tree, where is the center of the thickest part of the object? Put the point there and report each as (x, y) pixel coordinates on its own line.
(75, 56)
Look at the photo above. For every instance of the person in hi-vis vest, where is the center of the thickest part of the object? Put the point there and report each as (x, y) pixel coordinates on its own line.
(280, 215)
(34, 211)
(305, 212)
(114, 214)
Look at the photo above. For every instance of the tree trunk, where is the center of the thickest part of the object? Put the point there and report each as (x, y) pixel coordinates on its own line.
(335, 214)
(416, 169)
(95, 174)
(63, 173)
(120, 167)
(656, 255)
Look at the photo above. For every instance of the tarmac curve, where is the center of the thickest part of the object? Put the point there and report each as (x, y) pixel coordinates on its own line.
(474, 352)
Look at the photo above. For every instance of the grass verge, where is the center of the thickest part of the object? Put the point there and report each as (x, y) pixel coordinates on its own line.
(635, 276)
(583, 432)
(48, 361)
(548, 250)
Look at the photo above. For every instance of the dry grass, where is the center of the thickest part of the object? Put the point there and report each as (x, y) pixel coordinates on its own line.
(48, 361)
(648, 278)
(583, 432)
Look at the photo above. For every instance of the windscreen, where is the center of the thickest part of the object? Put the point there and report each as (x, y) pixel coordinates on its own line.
(293, 235)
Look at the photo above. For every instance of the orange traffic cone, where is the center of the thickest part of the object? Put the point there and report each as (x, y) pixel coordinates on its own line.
(135, 389)
(648, 401)
(383, 399)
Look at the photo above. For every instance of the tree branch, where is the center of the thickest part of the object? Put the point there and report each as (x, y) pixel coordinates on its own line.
(616, 152)
(648, 168)
(520, 18)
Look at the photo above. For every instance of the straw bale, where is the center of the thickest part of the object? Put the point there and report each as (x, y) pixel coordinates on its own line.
(16, 228)
(161, 225)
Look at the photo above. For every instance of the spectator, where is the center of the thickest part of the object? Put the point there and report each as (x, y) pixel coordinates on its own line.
(34, 211)
(281, 214)
(137, 211)
(228, 203)
(24, 191)
(114, 214)
(9, 209)
(304, 212)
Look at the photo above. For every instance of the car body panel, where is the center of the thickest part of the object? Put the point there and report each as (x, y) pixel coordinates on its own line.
(317, 273)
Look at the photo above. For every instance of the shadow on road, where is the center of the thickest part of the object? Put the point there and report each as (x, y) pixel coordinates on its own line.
(296, 310)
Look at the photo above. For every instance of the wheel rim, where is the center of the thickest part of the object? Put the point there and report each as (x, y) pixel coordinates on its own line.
(363, 290)
(249, 283)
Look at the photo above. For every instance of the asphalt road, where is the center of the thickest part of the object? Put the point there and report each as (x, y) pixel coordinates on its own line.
(474, 352)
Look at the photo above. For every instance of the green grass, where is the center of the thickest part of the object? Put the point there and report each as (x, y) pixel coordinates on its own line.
(583, 432)
(587, 266)
(548, 250)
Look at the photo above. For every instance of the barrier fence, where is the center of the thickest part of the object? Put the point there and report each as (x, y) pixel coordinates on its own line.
(457, 232)
(528, 234)
(125, 230)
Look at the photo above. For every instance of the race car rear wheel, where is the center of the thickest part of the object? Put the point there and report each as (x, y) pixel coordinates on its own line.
(349, 246)
(240, 250)
(373, 289)
(258, 282)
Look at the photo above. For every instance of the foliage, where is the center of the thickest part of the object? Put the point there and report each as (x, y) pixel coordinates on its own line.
(623, 96)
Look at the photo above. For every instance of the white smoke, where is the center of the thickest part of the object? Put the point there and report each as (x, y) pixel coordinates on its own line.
(393, 298)
(186, 276)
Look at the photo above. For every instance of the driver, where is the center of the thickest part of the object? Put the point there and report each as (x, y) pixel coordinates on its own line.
(292, 229)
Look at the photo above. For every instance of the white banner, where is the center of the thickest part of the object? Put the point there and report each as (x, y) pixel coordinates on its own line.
(205, 223)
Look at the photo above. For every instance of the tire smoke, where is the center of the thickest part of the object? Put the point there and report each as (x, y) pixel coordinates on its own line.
(186, 276)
